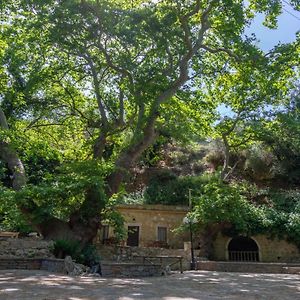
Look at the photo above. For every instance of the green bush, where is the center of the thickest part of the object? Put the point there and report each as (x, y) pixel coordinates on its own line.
(63, 248)
(11, 219)
(87, 255)
(232, 204)
(259, 163)
(168, 189)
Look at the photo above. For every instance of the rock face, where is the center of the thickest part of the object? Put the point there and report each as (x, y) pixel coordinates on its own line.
(74, 269)
(25, 248)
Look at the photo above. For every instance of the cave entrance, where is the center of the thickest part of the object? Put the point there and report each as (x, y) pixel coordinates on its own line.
(243, 249)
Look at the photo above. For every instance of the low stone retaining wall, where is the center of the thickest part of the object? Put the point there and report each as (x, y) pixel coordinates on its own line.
(108, 269)
(29, 247)
(111, 269)
(51, 265)
(128, 254)
(249, 267)
(20, 263)
(29, 253)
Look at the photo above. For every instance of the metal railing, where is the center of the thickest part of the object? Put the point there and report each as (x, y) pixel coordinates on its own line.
(243, 256)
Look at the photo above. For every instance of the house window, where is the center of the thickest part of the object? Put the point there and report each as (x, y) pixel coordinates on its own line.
(162, 234)
(105, 233)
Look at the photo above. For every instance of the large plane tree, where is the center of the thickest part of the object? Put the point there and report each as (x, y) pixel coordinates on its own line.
(88, 86)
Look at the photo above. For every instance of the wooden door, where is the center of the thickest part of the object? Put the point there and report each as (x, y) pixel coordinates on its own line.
(133, 236)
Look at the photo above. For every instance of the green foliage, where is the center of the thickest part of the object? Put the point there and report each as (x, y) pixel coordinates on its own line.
(166, 188)
(137, 197)
(58, 195)
(63, 248)
(233, 205)
(281, 135)
(224, 203)
(89, 255)
(11, 219)
(285, 200)
(215, 157)
(152, 155)
(114, 218)
(83, 83)
(259, 163)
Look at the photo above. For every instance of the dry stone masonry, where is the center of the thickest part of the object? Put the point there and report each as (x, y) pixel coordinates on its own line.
(25, 248)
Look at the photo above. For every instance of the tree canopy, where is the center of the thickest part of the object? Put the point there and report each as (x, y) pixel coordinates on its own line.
(88, 86)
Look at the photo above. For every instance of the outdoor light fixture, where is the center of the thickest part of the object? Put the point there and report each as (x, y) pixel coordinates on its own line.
(188, 220)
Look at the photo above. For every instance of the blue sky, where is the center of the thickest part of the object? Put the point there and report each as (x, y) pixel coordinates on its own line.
(288, 25)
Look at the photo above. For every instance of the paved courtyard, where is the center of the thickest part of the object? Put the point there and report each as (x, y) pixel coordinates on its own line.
(40, 285)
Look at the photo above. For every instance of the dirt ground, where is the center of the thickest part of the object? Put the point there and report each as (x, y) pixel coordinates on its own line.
(41, 285)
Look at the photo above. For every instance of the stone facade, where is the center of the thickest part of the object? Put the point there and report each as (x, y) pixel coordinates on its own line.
(148, 219)
(270, 250)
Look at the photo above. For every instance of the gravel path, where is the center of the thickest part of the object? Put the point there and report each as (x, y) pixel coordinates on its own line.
(41, 285)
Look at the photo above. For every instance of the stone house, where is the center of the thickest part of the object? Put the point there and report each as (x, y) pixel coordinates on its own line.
(258, 248)
(154, 225)
(150, 226)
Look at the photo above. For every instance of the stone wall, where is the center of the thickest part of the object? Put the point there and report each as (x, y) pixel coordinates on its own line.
(20, 263)
(247, 267)
(25, 248)
(47, 264)
(270, 250)
(53, 265)
(128, 254)
(130, 270)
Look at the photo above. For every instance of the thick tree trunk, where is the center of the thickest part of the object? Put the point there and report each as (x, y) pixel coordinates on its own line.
(83, 224)
(10, 157)
(129, 157)
(99, 145)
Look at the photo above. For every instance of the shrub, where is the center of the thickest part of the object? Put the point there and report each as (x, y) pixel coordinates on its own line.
(259, 163)
(63, 248)
(87, 255)
(172, 190)
(215, 158)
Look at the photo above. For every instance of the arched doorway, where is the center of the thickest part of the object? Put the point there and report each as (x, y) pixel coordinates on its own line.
(243, 249)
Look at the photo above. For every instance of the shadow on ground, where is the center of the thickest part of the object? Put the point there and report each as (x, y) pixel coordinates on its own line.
(40, 285)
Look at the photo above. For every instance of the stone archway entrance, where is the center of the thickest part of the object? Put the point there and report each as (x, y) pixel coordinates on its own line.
(243, 249)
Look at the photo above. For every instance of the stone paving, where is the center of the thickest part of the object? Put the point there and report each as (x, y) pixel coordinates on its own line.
(192, 285)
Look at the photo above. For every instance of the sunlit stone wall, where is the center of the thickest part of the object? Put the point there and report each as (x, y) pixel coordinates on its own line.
(270, 250)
